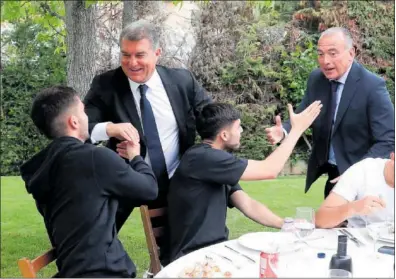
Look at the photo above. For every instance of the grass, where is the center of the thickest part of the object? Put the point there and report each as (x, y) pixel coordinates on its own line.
(23, 233)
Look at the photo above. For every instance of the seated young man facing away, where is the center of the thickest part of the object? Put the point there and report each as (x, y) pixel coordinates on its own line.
(365, 193)
(206, 181)
(76, 187)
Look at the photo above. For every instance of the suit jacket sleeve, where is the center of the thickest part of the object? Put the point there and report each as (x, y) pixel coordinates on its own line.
(95, 104)
(199, 98)
(382, 122)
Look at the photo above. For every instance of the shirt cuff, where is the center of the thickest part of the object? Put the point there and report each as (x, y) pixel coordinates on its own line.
(99, 132)
(284, 133)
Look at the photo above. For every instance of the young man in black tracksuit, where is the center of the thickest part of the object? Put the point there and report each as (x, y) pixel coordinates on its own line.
(76, 187)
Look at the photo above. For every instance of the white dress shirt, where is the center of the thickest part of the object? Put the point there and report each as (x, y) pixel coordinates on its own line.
(164, 118)
(366, 178)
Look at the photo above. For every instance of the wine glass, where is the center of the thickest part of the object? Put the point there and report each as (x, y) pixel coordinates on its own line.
(390, 222)
(375, 229)
(304, 222)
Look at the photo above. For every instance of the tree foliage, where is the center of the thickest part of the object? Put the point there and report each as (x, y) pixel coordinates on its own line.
(33, 66)
(49, 15)
(254, 54)
(260, 59)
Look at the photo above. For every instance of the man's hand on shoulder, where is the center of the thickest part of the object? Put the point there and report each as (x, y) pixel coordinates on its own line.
(335, 180)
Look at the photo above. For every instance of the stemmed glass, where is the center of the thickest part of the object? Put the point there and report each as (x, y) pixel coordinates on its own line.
(375, 229)
(304, 222)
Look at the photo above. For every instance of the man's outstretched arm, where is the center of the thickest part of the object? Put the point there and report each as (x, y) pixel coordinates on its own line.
(255, 210)
(274, 163)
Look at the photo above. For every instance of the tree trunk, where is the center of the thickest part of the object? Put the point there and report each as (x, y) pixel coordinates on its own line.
(81, 45)
(138, 9)
(128, 12)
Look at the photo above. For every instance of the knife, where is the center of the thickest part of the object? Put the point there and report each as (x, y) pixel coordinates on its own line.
(239, 253)
(351, 237)
(221, 256)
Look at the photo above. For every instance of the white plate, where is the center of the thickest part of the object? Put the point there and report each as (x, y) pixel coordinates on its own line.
(269, 241)
(178, 268)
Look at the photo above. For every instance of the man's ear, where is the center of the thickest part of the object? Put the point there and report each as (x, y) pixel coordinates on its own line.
(392, 156)
(352, 52)
(73, 121)
(224, 135)
(158, 52)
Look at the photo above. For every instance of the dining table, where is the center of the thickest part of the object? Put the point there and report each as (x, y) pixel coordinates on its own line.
(307, 257)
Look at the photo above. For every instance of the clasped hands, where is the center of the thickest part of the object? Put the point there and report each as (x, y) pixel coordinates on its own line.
(129, 147)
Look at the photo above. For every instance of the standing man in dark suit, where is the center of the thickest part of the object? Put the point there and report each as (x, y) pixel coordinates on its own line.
(357, 119)
(142, 99)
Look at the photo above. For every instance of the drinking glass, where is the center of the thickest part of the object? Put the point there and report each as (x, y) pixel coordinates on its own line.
(390, 222)
(304, 222)
(339, 273)
(375, 229)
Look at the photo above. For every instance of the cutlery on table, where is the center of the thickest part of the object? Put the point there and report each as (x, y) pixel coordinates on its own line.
(225, 258)
(239, 253)
(351, 237)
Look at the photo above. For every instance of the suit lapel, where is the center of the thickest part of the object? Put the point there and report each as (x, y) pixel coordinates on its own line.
(325, 97)
(127, 100)
(347, 94)
(175, 97)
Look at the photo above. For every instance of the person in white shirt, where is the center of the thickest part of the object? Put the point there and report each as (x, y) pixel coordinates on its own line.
(365, 193)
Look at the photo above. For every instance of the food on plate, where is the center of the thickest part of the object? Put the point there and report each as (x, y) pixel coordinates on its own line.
(207, 268)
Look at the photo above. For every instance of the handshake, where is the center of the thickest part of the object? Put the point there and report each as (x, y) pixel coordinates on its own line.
(129, 147)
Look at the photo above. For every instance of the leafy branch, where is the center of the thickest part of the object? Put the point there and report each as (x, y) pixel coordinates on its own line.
(47, 9)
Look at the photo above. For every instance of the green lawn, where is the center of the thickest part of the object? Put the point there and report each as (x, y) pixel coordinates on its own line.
(23, 233)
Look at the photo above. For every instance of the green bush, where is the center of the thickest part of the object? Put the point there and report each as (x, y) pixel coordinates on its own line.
(31, 65)
(262, 74)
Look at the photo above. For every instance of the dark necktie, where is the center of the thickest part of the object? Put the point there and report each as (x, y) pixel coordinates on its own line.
(333, 98)
(330, 114)
(153, 142)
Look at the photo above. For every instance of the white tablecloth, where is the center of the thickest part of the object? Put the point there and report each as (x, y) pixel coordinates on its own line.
(304, 262)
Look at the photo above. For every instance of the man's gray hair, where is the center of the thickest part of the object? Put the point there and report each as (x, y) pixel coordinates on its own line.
(343, 31)
(139, 30)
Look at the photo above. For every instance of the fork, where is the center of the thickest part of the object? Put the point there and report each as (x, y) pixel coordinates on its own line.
(225, 258)
(239, 253)
(351, 237)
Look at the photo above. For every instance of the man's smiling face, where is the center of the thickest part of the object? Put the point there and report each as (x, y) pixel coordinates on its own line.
(138, 59)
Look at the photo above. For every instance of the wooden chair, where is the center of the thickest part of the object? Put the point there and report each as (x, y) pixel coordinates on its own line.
(153, 235)
(29, 268)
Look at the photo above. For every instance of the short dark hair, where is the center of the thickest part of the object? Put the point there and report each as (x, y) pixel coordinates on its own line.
(48, 105)
(214, 117)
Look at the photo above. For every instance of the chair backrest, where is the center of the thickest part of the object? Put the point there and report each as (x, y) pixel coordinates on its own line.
(29, 268)
(153, 235)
